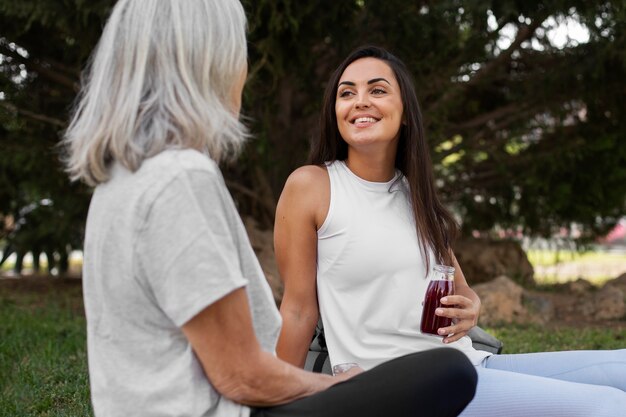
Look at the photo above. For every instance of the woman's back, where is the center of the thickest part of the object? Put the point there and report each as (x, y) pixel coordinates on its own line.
(161, 244)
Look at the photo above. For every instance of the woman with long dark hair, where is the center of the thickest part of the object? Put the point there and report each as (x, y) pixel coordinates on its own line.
(357, 234)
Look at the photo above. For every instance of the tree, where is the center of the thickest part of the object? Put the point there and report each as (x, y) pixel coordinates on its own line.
(523, 132)
(43, 46)
(527, 134)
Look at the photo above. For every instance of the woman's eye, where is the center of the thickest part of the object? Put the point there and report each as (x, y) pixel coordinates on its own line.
(378, 91)
(345, 93)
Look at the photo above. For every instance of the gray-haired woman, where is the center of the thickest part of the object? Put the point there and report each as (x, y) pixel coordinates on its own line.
(180, 320)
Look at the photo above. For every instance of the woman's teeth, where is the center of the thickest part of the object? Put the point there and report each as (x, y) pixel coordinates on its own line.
(365, 120)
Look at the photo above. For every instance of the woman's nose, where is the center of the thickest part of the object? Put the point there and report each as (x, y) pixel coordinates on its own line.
(362, 101)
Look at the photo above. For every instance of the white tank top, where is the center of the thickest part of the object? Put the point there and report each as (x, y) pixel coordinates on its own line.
(371, 275)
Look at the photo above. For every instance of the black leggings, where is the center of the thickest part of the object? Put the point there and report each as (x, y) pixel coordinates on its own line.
(438, 383)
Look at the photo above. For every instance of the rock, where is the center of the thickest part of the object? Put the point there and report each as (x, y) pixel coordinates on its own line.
(621, 279)
(262, 242)
(567, 307)
(504, 302)
(619, 282)
(580, 286)
(609, 303)
(483, 260)
(540, 308)
(501, 301)
(606, 303)
(585, 306)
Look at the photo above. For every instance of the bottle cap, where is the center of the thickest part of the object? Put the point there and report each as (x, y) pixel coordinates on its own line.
(446, 270)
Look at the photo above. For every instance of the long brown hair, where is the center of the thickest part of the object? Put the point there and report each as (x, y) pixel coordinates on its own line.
(435, 226)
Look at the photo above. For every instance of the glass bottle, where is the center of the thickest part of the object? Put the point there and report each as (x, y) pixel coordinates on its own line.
(441, 284)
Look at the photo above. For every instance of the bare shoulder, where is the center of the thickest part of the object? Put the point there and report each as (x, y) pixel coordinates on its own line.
(307, 190)
(309, 178)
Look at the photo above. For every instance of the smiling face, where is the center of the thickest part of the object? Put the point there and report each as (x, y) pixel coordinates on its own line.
(368, 105)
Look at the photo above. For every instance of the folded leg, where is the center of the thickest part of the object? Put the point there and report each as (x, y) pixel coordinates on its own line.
(598, 367)
(503, 393)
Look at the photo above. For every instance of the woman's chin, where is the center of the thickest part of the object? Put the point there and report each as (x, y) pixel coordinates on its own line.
(368, 140)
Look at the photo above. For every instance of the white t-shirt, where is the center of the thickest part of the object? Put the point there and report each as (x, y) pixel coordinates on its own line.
(161, 245)
(371, 275)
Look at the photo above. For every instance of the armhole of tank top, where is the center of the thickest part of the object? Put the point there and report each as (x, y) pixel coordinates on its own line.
(330, 168)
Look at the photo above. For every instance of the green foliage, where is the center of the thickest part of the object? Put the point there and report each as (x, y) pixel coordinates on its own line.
(43, 46)
(536, 130)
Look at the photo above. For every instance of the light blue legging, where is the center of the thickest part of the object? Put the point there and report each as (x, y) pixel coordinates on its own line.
(554, 384)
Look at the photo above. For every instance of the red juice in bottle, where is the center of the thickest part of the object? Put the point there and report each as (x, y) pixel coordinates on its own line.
(441, 284)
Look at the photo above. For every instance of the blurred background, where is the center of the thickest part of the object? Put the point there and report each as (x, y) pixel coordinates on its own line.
(523, 104)
(524, 111)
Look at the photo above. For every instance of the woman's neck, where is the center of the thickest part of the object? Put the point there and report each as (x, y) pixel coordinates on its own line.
(374, 167)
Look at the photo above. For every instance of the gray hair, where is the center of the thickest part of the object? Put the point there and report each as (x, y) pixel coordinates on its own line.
(161, 77)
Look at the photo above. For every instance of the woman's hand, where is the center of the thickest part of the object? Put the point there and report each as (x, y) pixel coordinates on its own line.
(464, 313)
(463, 307)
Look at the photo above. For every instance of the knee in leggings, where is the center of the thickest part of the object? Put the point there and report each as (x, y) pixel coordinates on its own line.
(461, 374)
(469, 375)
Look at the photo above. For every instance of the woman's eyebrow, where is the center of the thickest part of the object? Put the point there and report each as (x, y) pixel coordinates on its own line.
(372, 81)
(375, 80)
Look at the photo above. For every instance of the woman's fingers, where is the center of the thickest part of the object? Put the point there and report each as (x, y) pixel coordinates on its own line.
(462, 310)
(457, 300)
(456, 331)
(455, 313)
(459, 307)
(454, 337)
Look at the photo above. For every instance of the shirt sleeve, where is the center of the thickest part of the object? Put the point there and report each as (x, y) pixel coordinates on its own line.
(186, 248)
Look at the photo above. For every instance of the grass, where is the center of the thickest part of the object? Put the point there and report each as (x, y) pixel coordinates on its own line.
(43, 359)
(535, 338)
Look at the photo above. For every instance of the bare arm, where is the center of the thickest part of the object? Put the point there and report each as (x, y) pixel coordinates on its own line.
(301, 210)
(223, 338)
(465, 306)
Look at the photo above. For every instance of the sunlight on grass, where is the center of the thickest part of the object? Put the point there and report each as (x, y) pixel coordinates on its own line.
(552, 279)
(597, 267)
(551, 257)
(75, 263)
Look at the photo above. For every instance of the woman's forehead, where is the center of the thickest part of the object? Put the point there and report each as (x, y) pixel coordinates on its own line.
(366, 69)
